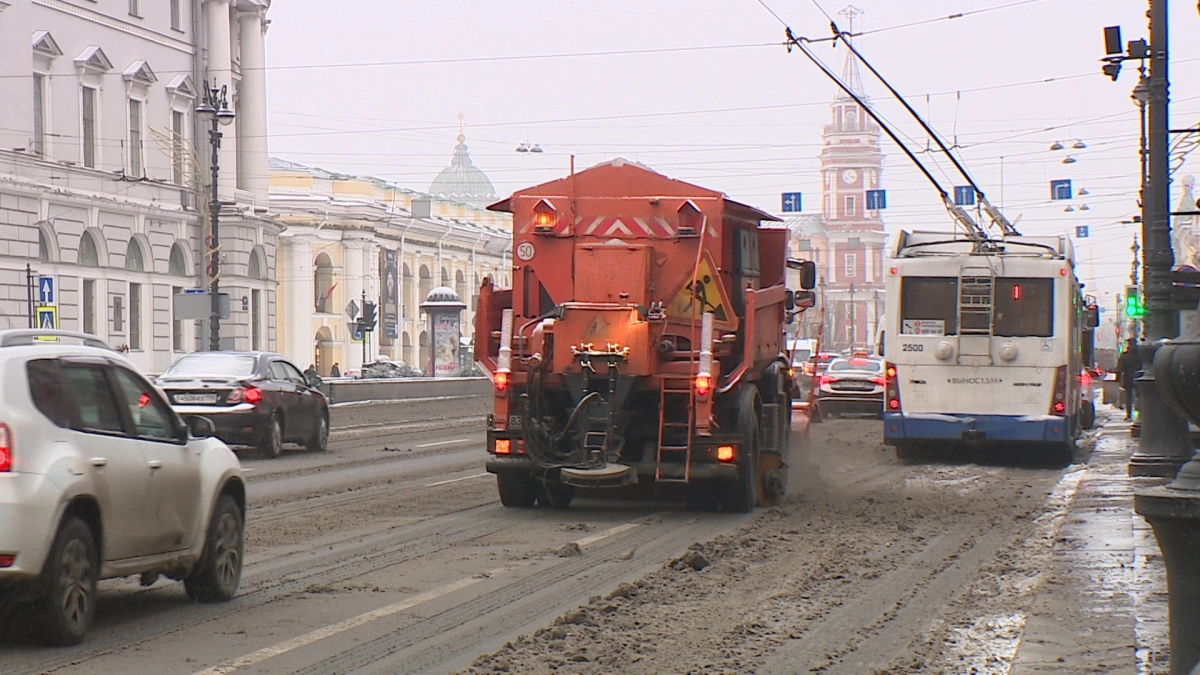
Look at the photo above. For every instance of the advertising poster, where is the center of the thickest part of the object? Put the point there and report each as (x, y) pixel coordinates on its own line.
(391, 293)
(445, 344)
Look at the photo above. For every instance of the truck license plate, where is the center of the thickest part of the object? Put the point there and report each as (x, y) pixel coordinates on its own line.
(514, 421)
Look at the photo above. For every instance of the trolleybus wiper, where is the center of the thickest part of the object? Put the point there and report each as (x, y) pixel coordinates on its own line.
(998, 218)
(964, 219)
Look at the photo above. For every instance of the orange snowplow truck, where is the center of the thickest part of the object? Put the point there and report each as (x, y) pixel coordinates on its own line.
(642, 341)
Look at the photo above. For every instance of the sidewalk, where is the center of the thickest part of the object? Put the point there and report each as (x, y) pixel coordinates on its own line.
(1103, 606)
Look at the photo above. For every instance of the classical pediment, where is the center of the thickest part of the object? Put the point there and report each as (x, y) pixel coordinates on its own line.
(139, 72)
(181, 85)
(44, 44)
(93, 58)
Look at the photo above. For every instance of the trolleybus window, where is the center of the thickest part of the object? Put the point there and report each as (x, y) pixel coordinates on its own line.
(1024, 307)
(929, 305)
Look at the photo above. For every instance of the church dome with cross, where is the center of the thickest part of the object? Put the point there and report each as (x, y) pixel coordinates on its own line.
(463, 181)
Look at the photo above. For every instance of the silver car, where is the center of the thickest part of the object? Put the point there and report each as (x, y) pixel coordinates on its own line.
(99, 478)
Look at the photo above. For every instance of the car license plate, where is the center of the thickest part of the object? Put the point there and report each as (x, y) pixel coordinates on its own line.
(856, 386)
(195, 398)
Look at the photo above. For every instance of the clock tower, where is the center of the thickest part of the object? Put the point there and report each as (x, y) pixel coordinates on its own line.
(847, 240)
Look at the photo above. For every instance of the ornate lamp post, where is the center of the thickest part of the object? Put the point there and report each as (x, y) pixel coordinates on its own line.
(215, 108)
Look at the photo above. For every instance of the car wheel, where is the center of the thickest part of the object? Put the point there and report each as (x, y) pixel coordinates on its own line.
(320, 438)
(272, 444)
(517, 490)
(220, 571)
(69, 604)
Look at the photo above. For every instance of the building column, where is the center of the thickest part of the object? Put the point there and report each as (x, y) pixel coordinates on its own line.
(220, 73)
(295, 325)
(352, 282)
(252, 172)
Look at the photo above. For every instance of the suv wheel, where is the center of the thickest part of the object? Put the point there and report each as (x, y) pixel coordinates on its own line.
(220, 571)
(320, 438)
(70, 601)
(272, 443)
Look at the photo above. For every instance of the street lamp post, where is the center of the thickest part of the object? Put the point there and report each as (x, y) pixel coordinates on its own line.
(214, 107)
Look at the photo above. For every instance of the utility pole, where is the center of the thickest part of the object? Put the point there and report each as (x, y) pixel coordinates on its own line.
(1165, 445)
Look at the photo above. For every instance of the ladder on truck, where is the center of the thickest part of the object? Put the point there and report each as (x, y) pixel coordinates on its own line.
(675, 390)
(976, 295)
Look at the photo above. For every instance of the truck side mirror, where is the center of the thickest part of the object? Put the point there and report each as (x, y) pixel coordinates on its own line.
(808, 272)
(789, 300)
(805, 299)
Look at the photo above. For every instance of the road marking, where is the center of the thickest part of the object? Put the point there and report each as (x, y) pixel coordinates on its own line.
(310, 637)
(434, 445)
(343, 626)
(605, 534)
(455, 480)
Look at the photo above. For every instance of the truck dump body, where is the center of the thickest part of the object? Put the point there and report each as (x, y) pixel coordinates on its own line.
(642, 310)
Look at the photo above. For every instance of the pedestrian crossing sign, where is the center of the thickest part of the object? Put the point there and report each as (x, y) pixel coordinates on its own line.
(706, 295)
(47, 319)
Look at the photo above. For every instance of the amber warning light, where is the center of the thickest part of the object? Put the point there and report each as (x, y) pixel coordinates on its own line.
(501, 380)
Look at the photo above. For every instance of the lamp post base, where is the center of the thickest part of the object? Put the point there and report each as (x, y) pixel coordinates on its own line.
(1164, 445)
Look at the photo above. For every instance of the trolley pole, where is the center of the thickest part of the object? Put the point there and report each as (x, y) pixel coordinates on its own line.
(1164, 445)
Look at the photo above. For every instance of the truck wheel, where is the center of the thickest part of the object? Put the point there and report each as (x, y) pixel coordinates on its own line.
(744, 495)
(554, 495)
(69, 604)
(517, 490)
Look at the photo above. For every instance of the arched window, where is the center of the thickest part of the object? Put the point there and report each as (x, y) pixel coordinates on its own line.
(88, 254)
(406, 305)
(406, 354)
(44, 249)
(256, 268)
(424, 284)
(177, 266)
(133, 257)
(323, 283)
(460, 284)
(445, 277)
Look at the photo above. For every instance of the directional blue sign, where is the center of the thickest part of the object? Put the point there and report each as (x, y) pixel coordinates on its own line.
(1060, 189)
(1081, 231)
(193, 291)
(964, 195)
(45, 290)
(791, 202)
(876, 199)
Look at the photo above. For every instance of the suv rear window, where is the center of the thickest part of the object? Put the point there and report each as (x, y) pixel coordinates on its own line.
(45, 387)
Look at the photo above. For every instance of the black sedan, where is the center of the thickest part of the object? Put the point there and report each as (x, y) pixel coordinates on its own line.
(252, 398)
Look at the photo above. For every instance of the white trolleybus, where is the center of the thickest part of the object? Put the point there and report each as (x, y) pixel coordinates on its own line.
(983, 342)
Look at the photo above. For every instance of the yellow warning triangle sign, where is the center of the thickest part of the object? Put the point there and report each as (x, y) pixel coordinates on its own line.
(707, 295)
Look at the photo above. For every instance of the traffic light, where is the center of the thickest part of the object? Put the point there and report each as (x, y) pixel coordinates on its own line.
(368, 320)
(1134, 308)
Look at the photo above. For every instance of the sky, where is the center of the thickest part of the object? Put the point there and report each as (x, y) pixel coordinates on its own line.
(704, 91)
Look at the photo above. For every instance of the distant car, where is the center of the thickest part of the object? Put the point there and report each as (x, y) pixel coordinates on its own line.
(99, 478)
(253, 398)
(389, 369)
(851, 385)
(823, 361)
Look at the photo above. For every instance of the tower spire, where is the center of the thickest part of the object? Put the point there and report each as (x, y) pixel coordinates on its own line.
(850, 73)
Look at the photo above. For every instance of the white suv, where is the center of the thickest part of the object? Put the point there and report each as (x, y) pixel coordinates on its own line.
(99, 478)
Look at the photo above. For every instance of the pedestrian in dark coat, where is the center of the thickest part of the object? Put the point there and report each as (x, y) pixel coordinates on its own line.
(1128, 367)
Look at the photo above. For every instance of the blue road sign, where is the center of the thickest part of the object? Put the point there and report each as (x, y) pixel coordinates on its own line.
(193, 291)
(356, 334)
(791, 202)
(1081, 231)
(876, 199)
(47, 318)
(964, 195)
(1060, 189)
(46, 290)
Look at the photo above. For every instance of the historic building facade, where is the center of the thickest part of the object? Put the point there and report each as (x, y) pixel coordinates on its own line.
(349, 237)
(103, 169)
(846, 239)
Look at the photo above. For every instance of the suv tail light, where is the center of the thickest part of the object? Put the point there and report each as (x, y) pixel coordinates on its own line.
(250, 395)
(5, 448)
(892, 391)
(1058, 406)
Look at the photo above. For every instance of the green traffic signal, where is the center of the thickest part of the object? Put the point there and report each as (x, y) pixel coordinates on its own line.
(1133, 306)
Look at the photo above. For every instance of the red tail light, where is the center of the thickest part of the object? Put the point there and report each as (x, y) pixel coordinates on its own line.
(250, 395)
(892, 387)
(880, 380)
(1085, 379)
(703, 384)
(501, 380)
(826, 379)
(6, 445)
(503, 446)
(1058, 404)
